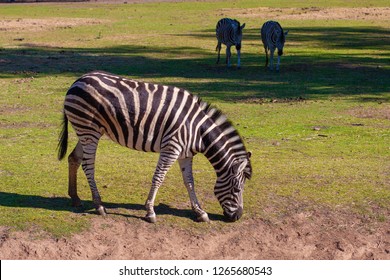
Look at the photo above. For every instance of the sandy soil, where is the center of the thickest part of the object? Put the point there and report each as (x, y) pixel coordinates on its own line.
(379, 13)
(317, 234)
(45, 24)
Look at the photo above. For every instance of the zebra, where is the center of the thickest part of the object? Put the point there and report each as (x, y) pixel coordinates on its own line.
(273, 37)
(153, 118)
(229, 32)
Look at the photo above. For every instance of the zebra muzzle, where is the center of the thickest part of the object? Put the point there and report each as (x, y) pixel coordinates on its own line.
(232, 217)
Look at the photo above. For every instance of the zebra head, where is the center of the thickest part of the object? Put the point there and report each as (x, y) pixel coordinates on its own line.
(238, 33)
(229, 188)
(281, 39)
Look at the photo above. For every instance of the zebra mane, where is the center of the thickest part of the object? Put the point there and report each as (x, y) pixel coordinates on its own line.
(215, 114)
(282, 34)
(238, 26)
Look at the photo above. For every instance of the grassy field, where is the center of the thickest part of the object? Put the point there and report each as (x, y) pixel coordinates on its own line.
(319, 130)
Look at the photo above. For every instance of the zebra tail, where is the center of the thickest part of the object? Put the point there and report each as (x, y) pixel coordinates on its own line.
(218, 48)
(63, 141)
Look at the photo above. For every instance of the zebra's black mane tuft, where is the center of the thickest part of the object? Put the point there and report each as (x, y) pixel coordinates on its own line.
(282, 34)
(238, 26)
(216, 115)
(213, 112)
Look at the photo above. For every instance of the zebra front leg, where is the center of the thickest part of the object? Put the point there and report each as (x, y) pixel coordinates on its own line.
(74, 160)
(88, 165)
(165, 161)
(228, 55)
(277, 65)
(266, 57)
(238, 47)
(271, 64)
(186, 170)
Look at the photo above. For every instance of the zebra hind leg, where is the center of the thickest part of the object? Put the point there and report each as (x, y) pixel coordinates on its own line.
(164, 163)
(186, 169)
(88, 165)
(74, 161)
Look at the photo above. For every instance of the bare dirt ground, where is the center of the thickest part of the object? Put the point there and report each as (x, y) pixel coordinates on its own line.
(372, 13)
(317, 234)
(12, 25)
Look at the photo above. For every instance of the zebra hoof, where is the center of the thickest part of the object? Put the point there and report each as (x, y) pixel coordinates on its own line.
(204, 218)
(151, 218)
(101, 211)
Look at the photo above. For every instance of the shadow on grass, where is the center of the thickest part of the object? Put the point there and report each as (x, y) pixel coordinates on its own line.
(362, 37)
(64, 204)
(309, 76)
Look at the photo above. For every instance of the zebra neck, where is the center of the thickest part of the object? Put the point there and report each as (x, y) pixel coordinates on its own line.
(222, 145)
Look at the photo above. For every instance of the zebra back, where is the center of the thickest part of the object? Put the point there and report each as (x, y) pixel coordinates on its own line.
(150, 117)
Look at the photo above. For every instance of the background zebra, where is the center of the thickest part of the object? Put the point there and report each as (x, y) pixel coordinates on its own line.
(153, 118)
(229, 32)
(273, 37)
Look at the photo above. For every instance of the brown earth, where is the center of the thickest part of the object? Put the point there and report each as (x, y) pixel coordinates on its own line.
(316, 234)
(311, 13)
(32, 25)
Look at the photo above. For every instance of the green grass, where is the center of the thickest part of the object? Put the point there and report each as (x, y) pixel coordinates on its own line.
(318, 130)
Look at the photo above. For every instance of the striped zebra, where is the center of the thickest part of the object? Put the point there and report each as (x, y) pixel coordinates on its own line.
(273, 37)
(153, 118)
(229, 33)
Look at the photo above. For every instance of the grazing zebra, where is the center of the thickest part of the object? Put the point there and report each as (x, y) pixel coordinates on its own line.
(229, 32)
(153, 118)
(273, 37)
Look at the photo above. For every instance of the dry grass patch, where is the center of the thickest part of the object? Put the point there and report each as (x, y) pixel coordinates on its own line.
(34, 25)
(382, 14)
(382, 112)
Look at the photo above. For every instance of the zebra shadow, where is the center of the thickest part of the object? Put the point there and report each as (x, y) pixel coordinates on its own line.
(53, 203)
(161, 209)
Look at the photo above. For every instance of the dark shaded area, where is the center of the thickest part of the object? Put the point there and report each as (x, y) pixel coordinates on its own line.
(302, 75)
(64, 204)
(326, 37)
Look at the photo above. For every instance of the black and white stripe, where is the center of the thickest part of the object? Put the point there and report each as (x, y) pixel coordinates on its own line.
(153, 118)
(273, 37)
(229, 33)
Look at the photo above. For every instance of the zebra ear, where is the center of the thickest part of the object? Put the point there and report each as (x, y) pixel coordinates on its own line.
(285, 33)
(242, 26)
(249, 154)
(239, 166)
